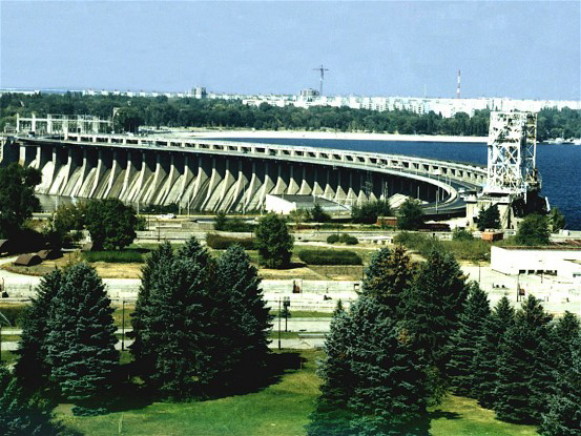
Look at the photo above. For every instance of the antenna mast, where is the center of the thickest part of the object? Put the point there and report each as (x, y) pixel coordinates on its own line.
(321, 70)
(458, 87)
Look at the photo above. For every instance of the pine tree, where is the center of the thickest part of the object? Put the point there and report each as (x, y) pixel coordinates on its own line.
(31, 369)
(159, 261)
(524, 370)
(331, 416)
(389, 274)
(373, 382)
(487, 351)
(245, 324)
(81, 343)
(175, 321)
(22, 414)
(462, 365)
(389, 396)
(564, 334)
(564, 412)
(430, 309)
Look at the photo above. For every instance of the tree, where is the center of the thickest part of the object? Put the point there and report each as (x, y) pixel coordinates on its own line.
(273, 241)
(331, 416)
(373, 383)
(17, 200)
(244, 325)
(220, 221)
(389, 274)
(370, 211)
(487, 351)
(489, 218)
(31, 368)
(159, 261)
(81, 341)
(556, 220)
(410, 215)
(524, 369)
(175, 321)
(563, 417)
(111, 224)
(22, 414)
(317, 214)
(462, 365)
(533, 230)
(430, 309)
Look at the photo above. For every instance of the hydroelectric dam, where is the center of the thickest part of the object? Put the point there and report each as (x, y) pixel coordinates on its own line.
(212, 175)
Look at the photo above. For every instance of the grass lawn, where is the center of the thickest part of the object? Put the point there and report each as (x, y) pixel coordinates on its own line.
(281, 409)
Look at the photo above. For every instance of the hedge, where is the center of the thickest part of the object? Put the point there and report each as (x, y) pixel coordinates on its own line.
(330, 257)
(129, 256)
(219, 242)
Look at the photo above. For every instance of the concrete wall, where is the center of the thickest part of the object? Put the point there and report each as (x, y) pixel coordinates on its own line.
(201, 181)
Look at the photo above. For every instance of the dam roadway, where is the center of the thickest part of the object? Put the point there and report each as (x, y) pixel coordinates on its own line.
(210, 175)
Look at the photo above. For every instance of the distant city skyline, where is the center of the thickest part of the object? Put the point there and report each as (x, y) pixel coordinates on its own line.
(520, 50)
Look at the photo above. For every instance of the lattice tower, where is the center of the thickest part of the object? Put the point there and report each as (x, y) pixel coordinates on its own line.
(512, 144)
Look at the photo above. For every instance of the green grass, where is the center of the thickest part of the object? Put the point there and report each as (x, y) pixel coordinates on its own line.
(125, 256)
(281, 409)
(473, 250)
(463, 416)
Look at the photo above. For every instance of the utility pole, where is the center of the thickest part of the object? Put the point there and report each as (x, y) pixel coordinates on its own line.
(458, 84)
(321, 70)
(123, 327)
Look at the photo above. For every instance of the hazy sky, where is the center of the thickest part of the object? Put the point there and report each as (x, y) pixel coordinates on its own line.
(525, 49)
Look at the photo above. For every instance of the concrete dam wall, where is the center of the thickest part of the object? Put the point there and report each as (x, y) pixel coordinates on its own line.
(205, 181)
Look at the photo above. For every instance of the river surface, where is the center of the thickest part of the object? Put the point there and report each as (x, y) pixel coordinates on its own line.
(559, 165)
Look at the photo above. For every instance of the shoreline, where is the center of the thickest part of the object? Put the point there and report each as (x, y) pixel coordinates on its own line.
(292, 134)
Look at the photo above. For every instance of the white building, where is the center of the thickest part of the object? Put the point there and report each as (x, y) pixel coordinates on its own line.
(285, 204)
(563, 262)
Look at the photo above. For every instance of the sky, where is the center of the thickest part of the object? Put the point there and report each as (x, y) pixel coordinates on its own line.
(517, 49)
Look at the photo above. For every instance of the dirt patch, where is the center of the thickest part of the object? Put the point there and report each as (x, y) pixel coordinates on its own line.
(290, 274)
(339, 272)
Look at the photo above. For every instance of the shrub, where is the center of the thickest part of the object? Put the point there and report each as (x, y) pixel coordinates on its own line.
(462, 235)
(129, 256)
(348, 239)
(13, 314)
(333, 239)
(219, 242)
(330, 257)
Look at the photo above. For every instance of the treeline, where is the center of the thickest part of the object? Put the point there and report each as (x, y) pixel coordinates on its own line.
(188, 112)
(419, 332)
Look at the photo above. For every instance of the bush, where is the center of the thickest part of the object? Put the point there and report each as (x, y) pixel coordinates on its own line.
(219, 242)
(474, 250)
(129, 256)
(368, 212)
(462, 235)
(348, 239)
(333, 239)
(330, 257)
(344, 238)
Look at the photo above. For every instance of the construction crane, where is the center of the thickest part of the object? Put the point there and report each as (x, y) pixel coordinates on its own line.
(321, 70)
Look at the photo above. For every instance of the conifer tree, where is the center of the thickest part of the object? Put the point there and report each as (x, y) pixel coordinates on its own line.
(31, 369)
(81, 343)
(373, 382)
(245, 324)
(430, 310)
(331, 416)
(389, 396)
(564, 334)
(487, 351)
(22, 414)
(155, 264)
(389, 274)
(175, 321)
(462, 365)
(564, 412)
(524, 370)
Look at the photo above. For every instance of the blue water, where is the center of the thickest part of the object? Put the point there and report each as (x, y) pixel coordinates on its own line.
(559, 165)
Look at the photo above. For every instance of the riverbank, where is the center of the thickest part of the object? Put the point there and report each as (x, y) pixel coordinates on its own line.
(294, 134)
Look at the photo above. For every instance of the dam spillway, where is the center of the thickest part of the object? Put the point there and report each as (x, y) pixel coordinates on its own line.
(208, 175)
